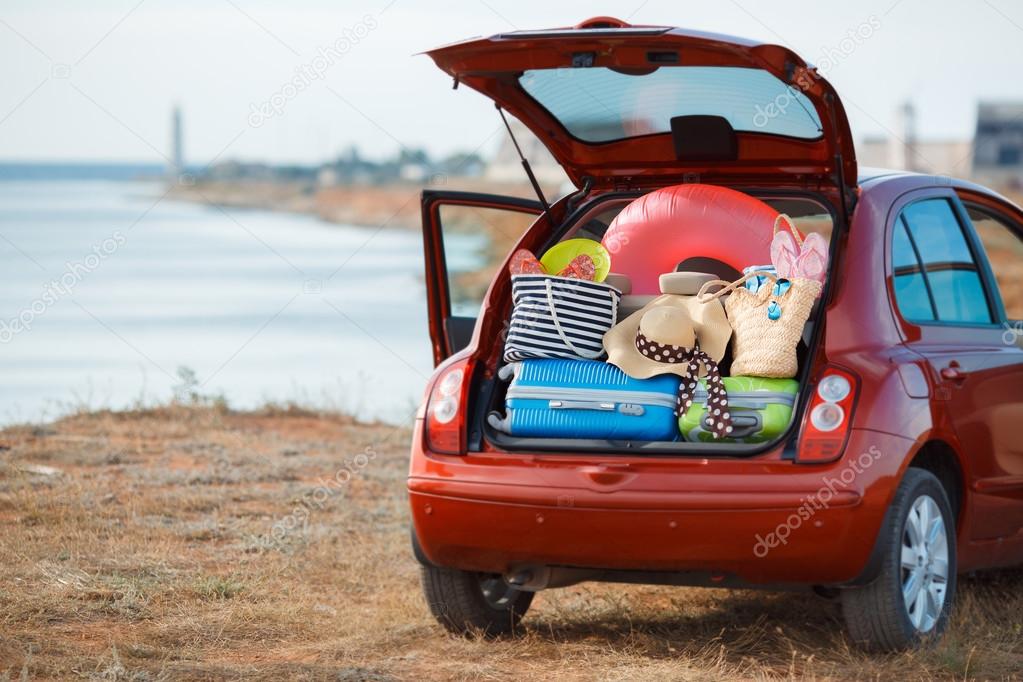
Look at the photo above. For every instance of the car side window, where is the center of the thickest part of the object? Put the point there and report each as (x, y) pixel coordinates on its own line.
(945, 262)
(475, 241)
(1003, 245)
(911, 293)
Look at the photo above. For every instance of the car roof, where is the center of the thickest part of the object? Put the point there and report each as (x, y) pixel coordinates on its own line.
(873, 179)
(868, 173)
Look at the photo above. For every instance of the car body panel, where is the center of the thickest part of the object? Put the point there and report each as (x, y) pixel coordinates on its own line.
(980, 418)
(978, 386)
(763, 520)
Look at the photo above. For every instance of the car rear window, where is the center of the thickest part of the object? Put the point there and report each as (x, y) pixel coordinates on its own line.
(600, 104)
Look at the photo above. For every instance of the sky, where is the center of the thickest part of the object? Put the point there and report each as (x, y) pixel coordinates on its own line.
(99, 83)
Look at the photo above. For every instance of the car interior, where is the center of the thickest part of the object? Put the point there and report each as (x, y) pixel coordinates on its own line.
(809, 214)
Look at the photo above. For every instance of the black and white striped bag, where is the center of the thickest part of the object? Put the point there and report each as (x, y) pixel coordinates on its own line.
(559, 317)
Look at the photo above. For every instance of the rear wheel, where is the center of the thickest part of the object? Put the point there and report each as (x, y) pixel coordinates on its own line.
(466, 603)
(911, 598)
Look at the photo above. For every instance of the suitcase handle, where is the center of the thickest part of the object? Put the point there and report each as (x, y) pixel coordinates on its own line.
(631, 409)
(743, 425)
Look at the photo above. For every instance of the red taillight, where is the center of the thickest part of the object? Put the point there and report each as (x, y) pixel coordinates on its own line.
(445, 411)
(827, 417)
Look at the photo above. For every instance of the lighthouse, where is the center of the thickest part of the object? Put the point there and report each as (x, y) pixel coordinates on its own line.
(177, 144)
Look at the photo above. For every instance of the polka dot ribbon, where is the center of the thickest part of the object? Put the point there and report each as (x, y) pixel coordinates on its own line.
(718, 418)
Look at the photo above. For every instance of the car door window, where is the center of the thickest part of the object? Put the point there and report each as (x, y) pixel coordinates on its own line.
(466, 236)
(949, 270)
(1003, 245)
(911, 292)
(476, 240)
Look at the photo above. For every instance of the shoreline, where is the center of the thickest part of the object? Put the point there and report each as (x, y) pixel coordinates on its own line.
(391, 205)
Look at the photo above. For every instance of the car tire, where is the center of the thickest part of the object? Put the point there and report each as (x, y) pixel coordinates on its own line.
(910, 600)
(468, 603)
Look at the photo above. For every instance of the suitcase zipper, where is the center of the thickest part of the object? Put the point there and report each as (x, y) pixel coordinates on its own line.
(630, 409)
(582, 398)
(754, 400)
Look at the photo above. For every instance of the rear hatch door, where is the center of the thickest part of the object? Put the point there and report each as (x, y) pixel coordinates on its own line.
(605, 96)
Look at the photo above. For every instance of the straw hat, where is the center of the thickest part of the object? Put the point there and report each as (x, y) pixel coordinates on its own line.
(660, 337)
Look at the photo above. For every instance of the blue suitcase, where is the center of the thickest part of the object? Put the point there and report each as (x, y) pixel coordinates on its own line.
(562, 398)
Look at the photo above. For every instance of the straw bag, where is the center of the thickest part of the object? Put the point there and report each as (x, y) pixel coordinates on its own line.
(766, 325)
(559, 317)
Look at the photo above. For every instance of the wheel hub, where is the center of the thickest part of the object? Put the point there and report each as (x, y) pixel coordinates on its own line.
(924, 563)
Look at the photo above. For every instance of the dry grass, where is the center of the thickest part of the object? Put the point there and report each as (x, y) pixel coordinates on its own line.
(137, 560)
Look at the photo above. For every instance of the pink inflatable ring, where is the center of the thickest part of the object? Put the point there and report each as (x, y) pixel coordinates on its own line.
(656, 232)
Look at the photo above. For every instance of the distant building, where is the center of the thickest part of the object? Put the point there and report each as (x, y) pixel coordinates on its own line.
(413, 172)
(507, 167)
(349, 169)
(328, 176)
(462, 165)
(236, 170)
(413, 165)
(904, 150)
(998, 145)
(936, 157)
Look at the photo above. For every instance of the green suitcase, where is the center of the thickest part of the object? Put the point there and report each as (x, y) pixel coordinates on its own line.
(760, 410)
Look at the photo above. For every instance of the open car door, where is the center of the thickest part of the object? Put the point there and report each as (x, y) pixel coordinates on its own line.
(468, 230)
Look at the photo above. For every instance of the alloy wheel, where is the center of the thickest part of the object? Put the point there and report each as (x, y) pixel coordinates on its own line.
(924, 563)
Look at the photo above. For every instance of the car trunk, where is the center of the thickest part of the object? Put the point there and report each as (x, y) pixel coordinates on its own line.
(811, 212)
(629, 109)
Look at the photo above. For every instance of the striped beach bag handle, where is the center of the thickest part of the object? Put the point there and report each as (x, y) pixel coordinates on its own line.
(588, 355)
(559, 317)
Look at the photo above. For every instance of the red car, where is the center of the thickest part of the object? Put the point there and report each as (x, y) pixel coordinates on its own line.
(916, 476)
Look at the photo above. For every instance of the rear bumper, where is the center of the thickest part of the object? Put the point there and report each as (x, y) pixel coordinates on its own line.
(761, 521)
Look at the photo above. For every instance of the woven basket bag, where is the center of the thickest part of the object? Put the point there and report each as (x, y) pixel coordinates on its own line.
(761, 346)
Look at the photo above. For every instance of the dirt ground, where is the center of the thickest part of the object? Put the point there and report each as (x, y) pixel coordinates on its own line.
(197, 543)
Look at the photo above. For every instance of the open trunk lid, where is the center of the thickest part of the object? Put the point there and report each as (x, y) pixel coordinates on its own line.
(625, 105)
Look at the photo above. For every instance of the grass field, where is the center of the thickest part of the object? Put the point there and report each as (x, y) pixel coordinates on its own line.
(197, 543)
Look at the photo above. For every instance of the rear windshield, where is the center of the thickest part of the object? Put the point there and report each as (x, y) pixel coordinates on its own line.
(600, 104)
